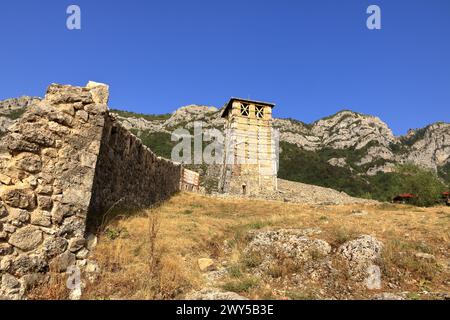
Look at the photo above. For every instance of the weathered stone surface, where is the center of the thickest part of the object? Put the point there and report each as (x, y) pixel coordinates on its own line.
(19, 198)
(29, 162)
(3, 210)
(91, 267)
(29, 281)
(72, 227)
(362, 255)
(28, 263)
(5, 249)
(15, 143)
(18, 215)
(128, 174)
(45, 190)
(5, 179)
(294, 244)
(9, 228)
(27, 238)
(91, 241)
(9, 282)
(3, 236)
(34, 133)
(76, 244)
(83, 115)
(45, 203)
(82, 254)
(39, 218)
(99, 92)
(63, 261)
(54, 246)
(65, 157)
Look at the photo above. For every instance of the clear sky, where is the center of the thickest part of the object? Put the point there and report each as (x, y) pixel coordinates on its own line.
(312, 58)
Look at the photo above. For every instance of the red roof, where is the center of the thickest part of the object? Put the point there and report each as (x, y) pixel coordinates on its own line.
(407, 195)
(447, 193)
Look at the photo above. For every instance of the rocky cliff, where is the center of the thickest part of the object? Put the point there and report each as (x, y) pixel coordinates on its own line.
(373, 146)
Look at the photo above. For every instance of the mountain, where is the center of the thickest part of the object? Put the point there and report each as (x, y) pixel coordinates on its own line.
(347, 151)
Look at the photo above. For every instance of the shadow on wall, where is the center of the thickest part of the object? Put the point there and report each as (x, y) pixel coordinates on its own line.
(128, 175)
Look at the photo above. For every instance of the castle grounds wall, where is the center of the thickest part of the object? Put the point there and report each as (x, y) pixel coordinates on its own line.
(64, 163)
(129, 175)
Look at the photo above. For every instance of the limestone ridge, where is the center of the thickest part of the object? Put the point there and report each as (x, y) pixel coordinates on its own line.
(63, 153)
(367, 137)
(372, 145)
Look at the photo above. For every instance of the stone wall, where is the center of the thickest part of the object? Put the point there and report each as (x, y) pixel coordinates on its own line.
(129, 175)
(65, 158)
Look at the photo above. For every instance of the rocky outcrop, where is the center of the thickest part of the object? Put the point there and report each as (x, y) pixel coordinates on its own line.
(300, 256)
(66, 159)
(9, 106)
(296, 245)
(362, 256)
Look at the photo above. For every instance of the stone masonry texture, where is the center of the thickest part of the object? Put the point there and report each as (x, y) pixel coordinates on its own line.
(67, 159)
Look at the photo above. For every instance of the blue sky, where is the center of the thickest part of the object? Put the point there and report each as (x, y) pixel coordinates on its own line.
(312, 58)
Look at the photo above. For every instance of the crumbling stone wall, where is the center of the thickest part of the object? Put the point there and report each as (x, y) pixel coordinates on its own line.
(129, 174)
(47, 163)
(64, 158)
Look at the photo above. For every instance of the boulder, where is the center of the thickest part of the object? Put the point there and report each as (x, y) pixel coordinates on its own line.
(361, 256)
(289, 243)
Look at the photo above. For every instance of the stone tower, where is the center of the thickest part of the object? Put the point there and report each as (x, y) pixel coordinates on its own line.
(251, 145)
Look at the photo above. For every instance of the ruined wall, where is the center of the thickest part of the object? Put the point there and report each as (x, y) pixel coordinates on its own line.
(47, 163)
(129, 174)
(64, 158)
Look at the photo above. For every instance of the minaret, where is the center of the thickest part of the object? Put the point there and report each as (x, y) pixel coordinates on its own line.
(251, 145)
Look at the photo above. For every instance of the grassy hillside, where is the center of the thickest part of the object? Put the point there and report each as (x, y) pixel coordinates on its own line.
(153, 254)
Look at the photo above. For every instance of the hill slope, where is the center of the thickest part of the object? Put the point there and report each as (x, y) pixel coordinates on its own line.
(269, 250)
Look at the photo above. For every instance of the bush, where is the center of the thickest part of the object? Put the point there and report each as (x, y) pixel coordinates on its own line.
(409, 178)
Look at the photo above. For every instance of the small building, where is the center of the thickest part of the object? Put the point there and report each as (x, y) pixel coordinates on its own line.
(446, 198)
(250, 162)
(404, 198)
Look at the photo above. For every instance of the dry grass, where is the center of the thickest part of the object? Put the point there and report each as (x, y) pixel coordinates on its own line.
(154, 254)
